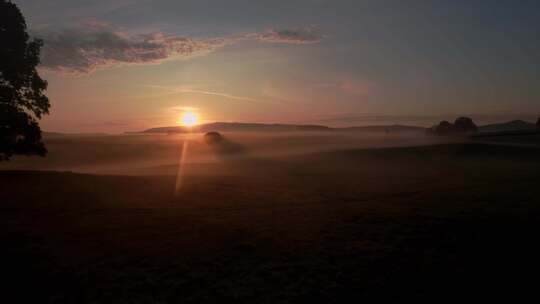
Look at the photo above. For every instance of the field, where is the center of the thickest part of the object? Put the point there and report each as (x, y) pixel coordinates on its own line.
(271, 218)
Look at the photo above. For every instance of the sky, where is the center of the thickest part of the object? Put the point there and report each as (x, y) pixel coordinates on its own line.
(128, 65)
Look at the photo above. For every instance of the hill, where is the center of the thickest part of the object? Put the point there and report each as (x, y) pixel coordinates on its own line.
(515, 125)
(385, 128)
(259, 127)
(237, 127)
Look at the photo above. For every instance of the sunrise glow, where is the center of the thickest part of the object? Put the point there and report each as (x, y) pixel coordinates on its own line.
(189, 119)
(209, 151)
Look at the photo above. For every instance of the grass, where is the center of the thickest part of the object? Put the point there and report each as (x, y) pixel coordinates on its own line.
(443, 223)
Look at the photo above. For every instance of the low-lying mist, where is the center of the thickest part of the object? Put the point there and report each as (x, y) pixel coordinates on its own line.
(142, 154)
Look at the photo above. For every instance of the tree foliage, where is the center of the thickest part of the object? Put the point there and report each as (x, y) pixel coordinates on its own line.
(22, 99)
(461, 125)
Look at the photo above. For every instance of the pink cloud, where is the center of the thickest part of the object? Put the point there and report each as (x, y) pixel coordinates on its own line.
(86, 49)
(356, 87)
(95, 45)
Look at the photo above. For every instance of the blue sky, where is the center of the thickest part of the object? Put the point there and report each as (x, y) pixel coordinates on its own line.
(129, 64)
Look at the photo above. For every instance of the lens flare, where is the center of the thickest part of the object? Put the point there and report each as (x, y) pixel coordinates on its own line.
(180, 174)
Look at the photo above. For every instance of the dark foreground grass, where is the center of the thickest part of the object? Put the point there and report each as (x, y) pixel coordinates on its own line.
(406, 225)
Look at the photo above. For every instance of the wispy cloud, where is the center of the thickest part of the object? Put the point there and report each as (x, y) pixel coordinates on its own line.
(180, 89)
(427, 120)
(351, 86)
(305, 35)
(228, 96)
(92, 46)
(358, 87)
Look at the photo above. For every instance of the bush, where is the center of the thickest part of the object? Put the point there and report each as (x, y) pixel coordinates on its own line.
(213, 138)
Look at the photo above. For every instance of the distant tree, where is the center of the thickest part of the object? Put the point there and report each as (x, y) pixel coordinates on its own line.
(22, 101)
(465, 124)
(444, 127)
(460, 126)
(213, 138)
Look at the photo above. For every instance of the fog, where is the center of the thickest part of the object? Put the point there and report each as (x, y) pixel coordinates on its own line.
(138, 154)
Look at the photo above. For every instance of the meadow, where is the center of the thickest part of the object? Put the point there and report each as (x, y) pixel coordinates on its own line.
(271, 218)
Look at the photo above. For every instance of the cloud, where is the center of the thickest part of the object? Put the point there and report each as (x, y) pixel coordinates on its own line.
(181, 109)
(359, 88)
(92, 46)
(96, 46)
(306, 35)
(427, 120)
(180, 89)
(225, 95)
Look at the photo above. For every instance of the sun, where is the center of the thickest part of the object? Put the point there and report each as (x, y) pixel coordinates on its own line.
(189, 119)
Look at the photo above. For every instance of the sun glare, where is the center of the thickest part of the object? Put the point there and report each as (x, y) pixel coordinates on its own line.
(189, 119)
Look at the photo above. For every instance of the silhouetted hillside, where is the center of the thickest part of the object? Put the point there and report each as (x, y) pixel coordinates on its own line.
(237, 127)
(515, 125)
(259, 127)
(390, 128)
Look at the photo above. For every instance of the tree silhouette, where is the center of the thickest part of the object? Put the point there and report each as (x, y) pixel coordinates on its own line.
(465, 124)
(22, 102)
(462, 125)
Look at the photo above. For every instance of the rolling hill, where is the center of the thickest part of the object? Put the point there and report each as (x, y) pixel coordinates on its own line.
(259, 127)
(514, 125)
